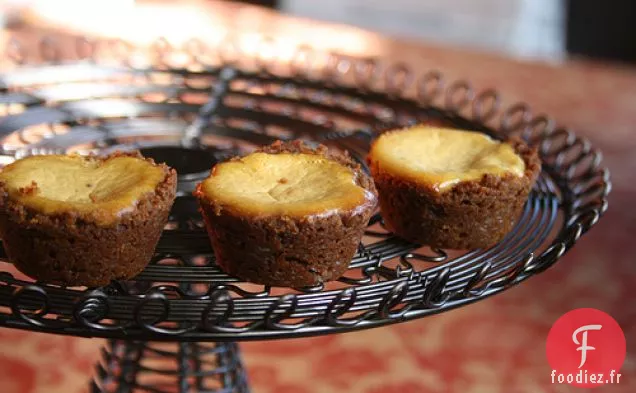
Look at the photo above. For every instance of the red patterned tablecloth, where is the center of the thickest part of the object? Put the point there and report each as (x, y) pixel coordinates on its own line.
(495, 346)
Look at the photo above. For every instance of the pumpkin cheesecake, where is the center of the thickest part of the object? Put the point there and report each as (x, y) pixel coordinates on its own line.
(286, 214)
(451, 188)
(83, 220)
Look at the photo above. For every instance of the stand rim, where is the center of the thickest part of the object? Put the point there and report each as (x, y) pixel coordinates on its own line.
(570, 197)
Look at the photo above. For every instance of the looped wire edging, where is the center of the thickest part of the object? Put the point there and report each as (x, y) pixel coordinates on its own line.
(379, 293)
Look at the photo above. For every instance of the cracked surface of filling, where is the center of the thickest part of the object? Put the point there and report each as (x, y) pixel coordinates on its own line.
(101, 189)
(442, 157)
(283, 184)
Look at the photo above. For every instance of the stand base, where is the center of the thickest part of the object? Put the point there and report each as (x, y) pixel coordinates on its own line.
(134, 366)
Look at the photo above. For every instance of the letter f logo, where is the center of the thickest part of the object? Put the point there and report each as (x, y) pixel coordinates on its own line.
(583, 344)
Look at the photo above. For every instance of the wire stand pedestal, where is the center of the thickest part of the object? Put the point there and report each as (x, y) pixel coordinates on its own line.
(138, 366)
(174, 327)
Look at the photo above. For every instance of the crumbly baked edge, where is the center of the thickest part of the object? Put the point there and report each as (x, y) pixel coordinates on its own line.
(69, 249)
(299, 251)
(421, 196)
(299, 147)
(528, 154)
(164, 193)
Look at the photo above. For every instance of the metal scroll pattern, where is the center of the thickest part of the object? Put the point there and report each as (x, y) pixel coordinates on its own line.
(389, 281)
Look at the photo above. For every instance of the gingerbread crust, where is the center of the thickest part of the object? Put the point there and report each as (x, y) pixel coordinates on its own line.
(71, 249)
(473, 214)
(290, 251)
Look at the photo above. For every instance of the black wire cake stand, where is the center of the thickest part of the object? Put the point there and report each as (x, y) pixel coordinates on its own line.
(180, 319)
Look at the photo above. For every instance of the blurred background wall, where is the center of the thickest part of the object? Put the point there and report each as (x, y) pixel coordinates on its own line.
(531, 28)
(543, 29)
(536, 29)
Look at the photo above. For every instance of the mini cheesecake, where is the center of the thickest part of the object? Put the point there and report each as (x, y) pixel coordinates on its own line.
(450, 188)
(286, 215)
(83, 220)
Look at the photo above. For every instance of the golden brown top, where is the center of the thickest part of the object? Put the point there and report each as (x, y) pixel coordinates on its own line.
(293, 184)
(100, 189)
(443, 157)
